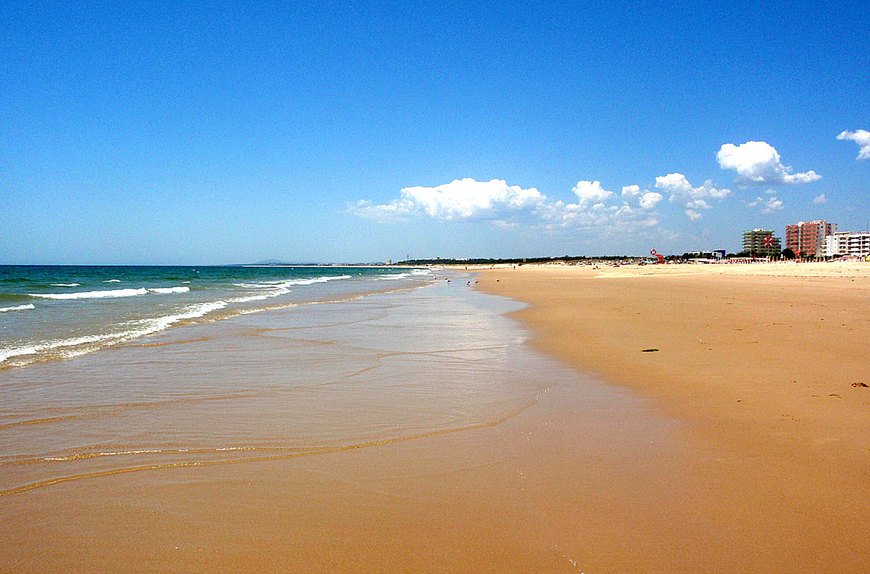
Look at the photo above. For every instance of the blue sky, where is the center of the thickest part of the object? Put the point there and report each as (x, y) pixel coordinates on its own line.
(208, 133)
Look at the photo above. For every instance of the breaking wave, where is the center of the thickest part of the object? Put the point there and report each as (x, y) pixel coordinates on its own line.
(17, 308)
(112, 293)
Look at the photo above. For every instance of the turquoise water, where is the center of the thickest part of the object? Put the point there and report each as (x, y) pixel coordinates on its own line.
(57, 312)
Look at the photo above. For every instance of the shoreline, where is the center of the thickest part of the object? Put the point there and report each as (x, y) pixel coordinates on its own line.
(765, 364)
(576, 474)
(398, 432)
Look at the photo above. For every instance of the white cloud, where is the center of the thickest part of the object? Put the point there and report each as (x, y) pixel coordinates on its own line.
(630, 192)
(459, 199)
(650, 199)
(506, 205)
(860, 137)
(693, 199)
(768, 205)
(758, 163)
(591, 193)
(820, 199)
(645, 199)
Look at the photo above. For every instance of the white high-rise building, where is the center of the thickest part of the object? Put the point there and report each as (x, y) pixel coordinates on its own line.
(848, 243)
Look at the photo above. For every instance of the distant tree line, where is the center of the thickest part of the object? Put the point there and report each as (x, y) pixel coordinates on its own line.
(514, 260)
(786, 254)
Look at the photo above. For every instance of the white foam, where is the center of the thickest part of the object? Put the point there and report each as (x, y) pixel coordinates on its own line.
(169, 289)
(269, 285)
(93, 294)
(265, 291)
(9, 352)
(149, 326)
(65, 284)
(313, 280)
(75, 346)
(113, 293)
(17, 308)
(291, 282)
(112, 281)
(405, 275)
(255, 298)
(270, 289)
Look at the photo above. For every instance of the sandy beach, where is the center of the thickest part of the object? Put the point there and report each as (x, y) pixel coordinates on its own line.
(426, 435)
(766, 364)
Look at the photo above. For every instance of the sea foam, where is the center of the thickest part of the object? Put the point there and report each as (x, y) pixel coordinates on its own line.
(405, 275)
(113, 293)
(169, 289)
(80, 345)
(17, 308)
(93, 294)
(394, 276)
(270, 289)
(153, 325)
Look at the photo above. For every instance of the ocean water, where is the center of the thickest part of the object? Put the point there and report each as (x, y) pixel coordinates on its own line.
(336, 359)
(58, 312)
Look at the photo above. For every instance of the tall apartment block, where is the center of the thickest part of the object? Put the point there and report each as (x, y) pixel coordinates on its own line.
(761, 242)
(848, 244)
(807, 238)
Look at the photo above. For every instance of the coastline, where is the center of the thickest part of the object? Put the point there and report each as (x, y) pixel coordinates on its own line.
(764, 363)
(396, 432)
(524, 462)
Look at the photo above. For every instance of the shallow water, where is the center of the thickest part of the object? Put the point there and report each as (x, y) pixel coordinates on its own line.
(57, 312)
(405, 431)
(317, 377)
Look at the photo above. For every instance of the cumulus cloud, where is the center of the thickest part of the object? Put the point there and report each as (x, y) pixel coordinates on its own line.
(595, 208)
(506, 205)
(860, 137)
(630, 192)
(693, 199)
(591, 193)
(820, 199)
(645, 199)
(758, 163)
(768, 205)
(459, 199)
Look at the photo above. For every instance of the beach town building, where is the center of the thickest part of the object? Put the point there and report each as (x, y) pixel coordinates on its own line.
(848, 244)
(807, 238)
(761, 242)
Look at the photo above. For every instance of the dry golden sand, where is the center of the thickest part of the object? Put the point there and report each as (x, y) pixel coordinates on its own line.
(766, 366)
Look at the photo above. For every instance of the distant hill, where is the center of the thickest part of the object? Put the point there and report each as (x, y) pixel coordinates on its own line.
(273, 262)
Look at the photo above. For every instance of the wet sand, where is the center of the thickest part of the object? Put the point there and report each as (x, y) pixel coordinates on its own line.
(765, 364)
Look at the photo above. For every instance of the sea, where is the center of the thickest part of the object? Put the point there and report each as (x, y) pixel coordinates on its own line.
(107, 370)
(59, 312)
